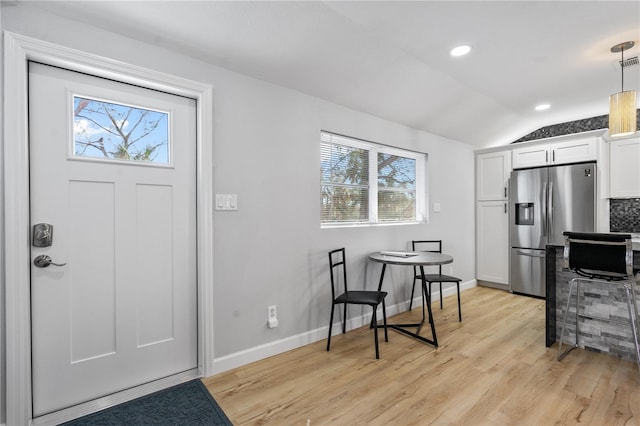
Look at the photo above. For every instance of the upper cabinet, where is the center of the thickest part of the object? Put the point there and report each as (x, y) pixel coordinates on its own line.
(492, 173)
(573, 151)
(624, 168)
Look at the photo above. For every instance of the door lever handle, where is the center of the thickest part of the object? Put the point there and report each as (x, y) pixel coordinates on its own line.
(43, 261)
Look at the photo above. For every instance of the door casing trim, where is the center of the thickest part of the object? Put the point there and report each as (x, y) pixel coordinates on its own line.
(19, 50)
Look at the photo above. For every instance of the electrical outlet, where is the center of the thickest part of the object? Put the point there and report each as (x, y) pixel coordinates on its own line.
(272, 320)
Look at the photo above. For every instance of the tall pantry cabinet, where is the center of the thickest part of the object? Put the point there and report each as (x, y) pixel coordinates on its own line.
(492, 217)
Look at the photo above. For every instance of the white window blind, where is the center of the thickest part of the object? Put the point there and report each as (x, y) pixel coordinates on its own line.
(396, 188)
(350, 196)
(345, 182)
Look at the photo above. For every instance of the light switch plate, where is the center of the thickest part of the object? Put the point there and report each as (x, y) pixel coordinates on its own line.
(226, 201)
(436, 207)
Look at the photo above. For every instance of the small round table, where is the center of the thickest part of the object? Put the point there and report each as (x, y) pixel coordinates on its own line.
(419, 259)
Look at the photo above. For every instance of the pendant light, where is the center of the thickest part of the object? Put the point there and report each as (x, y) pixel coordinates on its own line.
(622, 105)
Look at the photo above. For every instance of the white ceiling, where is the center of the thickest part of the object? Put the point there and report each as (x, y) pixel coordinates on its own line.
(390, 58)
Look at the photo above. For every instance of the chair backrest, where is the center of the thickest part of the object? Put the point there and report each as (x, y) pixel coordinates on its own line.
(432, 246)
(597, 255)
(337, 260)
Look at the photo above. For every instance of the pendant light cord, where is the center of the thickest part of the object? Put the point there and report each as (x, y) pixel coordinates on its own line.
(622, 67)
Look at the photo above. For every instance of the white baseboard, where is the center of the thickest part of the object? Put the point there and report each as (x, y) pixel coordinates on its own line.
(266, 350)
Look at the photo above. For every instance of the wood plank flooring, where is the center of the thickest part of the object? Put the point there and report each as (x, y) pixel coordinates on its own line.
(491, 369)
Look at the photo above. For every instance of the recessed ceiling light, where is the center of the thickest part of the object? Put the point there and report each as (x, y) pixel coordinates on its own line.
(460, 50)
(542, 107)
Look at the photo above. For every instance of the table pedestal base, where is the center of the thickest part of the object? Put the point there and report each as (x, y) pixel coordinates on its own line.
(404, 328)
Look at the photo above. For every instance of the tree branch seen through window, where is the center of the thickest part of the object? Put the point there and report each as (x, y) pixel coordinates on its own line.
(348, 195)
(114, 131)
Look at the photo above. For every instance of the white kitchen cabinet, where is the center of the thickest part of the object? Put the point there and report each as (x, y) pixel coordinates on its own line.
(624, 168)
(573, 151)
(492, 241)
(492, 175)
(530, 156)
(492, 225)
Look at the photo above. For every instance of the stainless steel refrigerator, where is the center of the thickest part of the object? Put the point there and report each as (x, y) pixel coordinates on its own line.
(544, 203)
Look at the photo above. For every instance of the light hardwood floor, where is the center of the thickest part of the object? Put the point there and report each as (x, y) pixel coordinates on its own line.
(491, 369)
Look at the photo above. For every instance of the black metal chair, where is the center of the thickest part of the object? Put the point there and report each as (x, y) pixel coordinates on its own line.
(433, 246)
(337, 259)
(604, 259)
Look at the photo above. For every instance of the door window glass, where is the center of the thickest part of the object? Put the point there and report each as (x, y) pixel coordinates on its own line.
(112, 131)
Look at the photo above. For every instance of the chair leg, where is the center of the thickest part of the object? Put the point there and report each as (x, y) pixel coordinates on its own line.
(412, 292)
(632, 319)
(375, 331)
(330, 326)
(384, 320)
(459, 310)
(561, 354)
(440, 295)
(425, 297)
(428, 297)
(344, 320)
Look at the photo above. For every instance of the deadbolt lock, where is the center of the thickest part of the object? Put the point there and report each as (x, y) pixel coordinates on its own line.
(42, 235)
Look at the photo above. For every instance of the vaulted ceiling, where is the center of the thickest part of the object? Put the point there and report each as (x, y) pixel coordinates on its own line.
(391, 58)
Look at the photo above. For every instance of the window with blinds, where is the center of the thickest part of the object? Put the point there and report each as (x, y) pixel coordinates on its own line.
(366, 183)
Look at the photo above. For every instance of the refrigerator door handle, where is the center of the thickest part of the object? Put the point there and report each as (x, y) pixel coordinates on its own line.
(521, 253)
(544, 210)
(550, 209)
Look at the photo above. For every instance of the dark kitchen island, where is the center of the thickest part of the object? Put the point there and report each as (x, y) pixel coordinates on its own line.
(604, 301)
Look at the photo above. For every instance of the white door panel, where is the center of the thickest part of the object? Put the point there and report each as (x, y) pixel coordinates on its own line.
(91, 288)
(122, 311)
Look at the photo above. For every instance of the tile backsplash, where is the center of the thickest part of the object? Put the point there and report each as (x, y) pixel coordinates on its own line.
(624, 215)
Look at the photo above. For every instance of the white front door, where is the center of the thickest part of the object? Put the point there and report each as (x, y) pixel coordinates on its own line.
(113, 171)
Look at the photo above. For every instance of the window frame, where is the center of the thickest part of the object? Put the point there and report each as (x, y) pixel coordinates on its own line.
(373, 149)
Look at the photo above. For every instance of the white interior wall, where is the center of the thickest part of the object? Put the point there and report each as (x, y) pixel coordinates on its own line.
(3, 383)
(272, 251)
